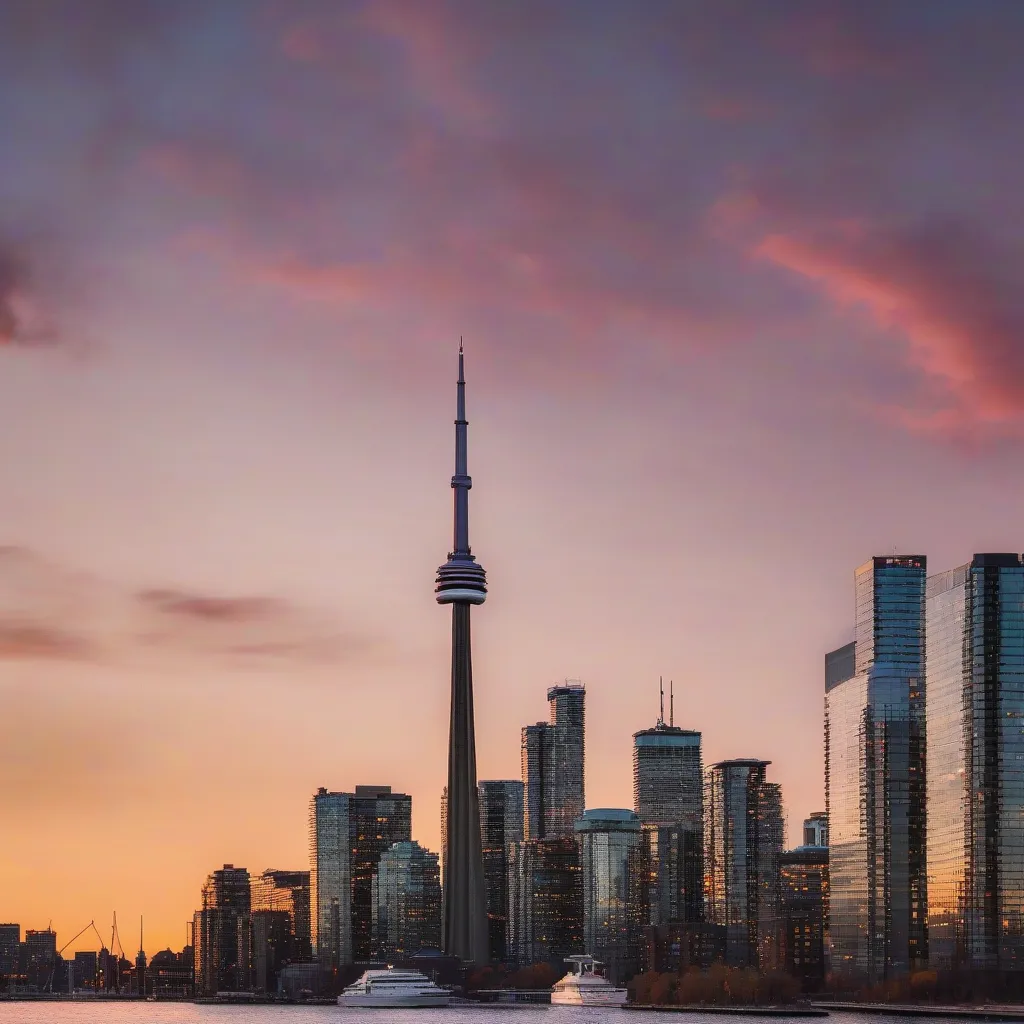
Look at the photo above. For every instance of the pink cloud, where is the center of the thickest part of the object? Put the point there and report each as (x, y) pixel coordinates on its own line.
(948, 292)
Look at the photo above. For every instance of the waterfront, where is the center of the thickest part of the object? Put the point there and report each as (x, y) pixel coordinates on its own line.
(110, 1012)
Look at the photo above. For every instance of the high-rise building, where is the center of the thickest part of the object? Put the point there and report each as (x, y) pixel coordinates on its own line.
(803, 915)
(567, 704)
(536, 765)
(816, 829)
(501, 825)
(10, 940)
(406, 902)
(348, 833)
(668, 797)
(975, 784)
(552, 764)
(614, 904)
(874, 776)
(545, 922)
(273, 946)
(221, 932)
(462, 583)
(743, 838)
(288, 891)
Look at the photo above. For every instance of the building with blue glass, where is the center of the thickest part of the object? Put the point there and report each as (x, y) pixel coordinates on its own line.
(875, 776)
(975, 704)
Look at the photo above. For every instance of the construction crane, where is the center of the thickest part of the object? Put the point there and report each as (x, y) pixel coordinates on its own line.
(60, 952)
(120, 955)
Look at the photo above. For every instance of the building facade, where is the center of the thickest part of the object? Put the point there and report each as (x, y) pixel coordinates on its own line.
(348, 834)
(10, 941)
(545, 922)
(406, 902)
(975, 732)
(288, 891)
(816, 829)
(743, 839)
(221, 930)
(668, 798)
(501, 825)
(614, 899)
(803, 915)
(875, 776)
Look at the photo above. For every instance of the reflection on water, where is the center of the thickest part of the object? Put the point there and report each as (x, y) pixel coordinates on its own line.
(189, 1013)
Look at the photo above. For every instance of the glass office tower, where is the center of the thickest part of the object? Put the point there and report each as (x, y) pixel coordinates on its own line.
(874, 775)
(221, 939)
(348, 833)
(614, 908)
(545, 922)
(406, 902)
(501, 825)
(552, 764)
(743, 838)
(975, 700)
(668, 797)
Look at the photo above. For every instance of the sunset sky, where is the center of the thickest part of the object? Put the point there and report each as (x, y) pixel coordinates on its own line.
(742, 291)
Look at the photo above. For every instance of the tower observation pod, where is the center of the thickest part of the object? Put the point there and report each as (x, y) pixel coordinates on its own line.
(462, 583)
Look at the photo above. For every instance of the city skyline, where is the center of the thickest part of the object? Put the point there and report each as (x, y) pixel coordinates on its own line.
(736, 323)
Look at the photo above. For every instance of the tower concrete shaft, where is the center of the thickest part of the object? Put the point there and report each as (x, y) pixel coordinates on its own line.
(461, 582)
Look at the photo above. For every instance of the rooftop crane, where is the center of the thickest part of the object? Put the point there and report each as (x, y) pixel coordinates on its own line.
(60, 952)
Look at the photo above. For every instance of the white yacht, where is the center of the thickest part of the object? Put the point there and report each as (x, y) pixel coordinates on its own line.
(392, 988)
(583, 986)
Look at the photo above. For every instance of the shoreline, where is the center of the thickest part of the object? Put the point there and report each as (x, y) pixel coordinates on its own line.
(998, 1012)
(798, 1010)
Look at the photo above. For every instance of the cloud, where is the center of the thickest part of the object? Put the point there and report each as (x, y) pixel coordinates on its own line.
(34, 640)
(948, 290)
(50, 612)
(212, 609)
(23, 323)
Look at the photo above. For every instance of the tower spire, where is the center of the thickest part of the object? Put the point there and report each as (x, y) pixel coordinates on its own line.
(461, 578)
(671, 703)
(661, 702)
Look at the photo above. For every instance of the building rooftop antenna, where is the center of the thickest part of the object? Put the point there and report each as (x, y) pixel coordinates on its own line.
(661, 704)
(671, 704)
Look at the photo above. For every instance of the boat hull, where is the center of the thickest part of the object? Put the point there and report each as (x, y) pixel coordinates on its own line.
(412, 1001)
(576, 997)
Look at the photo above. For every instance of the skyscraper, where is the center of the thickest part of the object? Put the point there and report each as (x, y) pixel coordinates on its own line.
(567, 704)
(668, 798)
(348, 833)
(975, 729)
(803, 914)
(406, 902)
(614, 908)
(286, 891)
(874, 775)
(10, 940)
(743, 838)
(462, 582)
(536, 765)
(545, 922)
(553, 764)
(501, 825)
(221, 932)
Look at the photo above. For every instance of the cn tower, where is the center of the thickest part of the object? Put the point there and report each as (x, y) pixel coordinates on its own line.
(461, 582)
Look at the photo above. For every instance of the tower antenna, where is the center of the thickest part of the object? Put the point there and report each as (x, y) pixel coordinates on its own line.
(661, 704)
(671, 703)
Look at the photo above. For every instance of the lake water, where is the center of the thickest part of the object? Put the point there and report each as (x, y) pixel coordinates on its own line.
(189, 1013)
